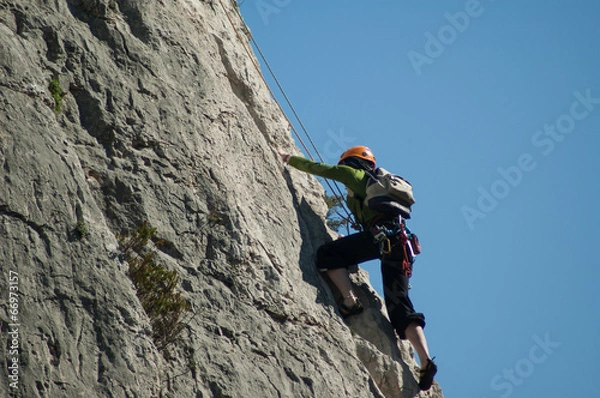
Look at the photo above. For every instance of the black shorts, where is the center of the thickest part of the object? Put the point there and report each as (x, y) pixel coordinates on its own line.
(360, 247)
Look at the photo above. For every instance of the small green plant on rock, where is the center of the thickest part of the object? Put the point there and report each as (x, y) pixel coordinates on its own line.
(57, 93)
(82, 230)
(156, 286)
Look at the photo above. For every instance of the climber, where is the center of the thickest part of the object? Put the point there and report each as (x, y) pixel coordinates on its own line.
(354, 170)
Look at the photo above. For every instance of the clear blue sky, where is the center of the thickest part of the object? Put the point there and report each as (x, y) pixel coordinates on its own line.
(492, 110)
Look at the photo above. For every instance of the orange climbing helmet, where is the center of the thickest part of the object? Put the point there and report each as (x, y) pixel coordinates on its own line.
(360, 152)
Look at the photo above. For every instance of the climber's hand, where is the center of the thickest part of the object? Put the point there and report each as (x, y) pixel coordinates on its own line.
(284, 156)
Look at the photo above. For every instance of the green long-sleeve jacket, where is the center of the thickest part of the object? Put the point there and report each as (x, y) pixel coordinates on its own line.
(355, 181)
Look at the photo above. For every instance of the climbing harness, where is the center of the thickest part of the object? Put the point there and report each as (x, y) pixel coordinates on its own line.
(392, 236)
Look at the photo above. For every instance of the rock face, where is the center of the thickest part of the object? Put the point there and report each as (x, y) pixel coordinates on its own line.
(116, 112)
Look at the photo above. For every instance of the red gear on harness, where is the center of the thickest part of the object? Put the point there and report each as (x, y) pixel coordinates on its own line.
(398, 234)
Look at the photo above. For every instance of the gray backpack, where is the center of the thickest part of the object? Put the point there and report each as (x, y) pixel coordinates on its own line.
(389, 193)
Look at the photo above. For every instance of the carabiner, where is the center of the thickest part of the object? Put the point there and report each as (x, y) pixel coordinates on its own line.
(386, 246)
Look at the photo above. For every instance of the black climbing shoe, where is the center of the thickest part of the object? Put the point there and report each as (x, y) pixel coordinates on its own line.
(346, 311)
(426, 375)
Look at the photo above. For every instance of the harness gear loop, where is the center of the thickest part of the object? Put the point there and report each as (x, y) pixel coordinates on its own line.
(384, 232)
(381, 235)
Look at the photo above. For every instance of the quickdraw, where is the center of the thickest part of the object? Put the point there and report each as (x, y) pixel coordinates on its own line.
(383, 235)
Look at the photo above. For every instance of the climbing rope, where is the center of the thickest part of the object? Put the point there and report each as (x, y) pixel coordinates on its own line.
(338, 195)
(257, 67)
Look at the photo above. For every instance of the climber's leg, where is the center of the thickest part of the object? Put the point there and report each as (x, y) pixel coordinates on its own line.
(414, 333)
(341, 280)
(336, 256)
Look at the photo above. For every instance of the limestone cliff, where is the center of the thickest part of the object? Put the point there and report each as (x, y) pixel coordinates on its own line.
(116, 112)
